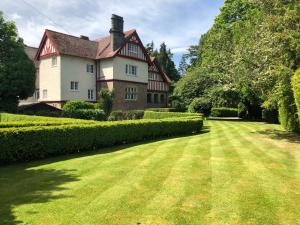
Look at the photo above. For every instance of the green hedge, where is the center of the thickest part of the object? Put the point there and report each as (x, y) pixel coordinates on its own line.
(28, 143)
(8, 117)
(126, 115)
(86, 114)
(161, 115)
(163, 110)
(224, 112)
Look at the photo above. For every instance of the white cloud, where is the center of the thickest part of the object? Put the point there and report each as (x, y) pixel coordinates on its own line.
(179, 23)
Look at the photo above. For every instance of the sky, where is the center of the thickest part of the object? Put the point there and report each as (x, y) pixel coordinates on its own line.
(178, 23)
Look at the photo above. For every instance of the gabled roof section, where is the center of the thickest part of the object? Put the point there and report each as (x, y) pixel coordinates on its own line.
(155, 64)
(105, 48)
(69, 45)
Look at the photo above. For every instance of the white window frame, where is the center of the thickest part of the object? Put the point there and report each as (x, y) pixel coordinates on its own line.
(131, 70)
(90, 94)
(54, 61)
(74, 86)
(133, 48)
(89, 68)
(131, 93)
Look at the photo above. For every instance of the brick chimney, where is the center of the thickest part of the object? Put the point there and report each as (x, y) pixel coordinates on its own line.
(116, 31)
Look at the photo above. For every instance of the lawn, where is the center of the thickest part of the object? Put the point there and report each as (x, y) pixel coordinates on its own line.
(232, 173)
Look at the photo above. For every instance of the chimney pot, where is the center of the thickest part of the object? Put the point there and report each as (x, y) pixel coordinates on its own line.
(84, 37)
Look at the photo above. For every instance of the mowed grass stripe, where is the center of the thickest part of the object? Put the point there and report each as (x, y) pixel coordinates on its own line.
(268, 175)
(234, 174)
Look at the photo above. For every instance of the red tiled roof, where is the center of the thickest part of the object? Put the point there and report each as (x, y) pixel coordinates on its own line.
(71, 45)
(104, 45)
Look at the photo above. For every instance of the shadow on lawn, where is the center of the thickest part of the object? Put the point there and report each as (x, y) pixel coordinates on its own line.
(20, 185)
(281, 135)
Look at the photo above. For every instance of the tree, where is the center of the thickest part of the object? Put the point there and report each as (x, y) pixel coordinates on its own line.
(106, 99)
(17, 71)
(183, 65)
(165, 61)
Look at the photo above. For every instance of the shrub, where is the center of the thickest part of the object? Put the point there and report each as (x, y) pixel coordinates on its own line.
(200, 105)
(161, 115)
(242, 110)
(270, 115)
(106, 99)
(8, 117)
(75, 105)
(126, 115)
(296, 89)
(224, 112)
(86, 114)
(163, 109)
(28, 143)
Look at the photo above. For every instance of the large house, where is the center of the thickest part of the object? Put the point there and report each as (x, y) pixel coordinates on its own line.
(76, 68)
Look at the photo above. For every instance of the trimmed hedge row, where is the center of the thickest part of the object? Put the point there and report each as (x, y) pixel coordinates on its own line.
(126, 115)
(224, 112)
(8, 117)
(28, 143)
(163, 109)
(162, 115)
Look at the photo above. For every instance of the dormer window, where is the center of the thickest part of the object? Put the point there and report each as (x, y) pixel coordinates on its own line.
(54, 60)
(132, 49)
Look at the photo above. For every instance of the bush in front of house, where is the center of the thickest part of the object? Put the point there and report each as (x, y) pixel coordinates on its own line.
(200, 105)
(162, 115)
(224, 112)
(83, 110)
(37, 142)
(126, 115)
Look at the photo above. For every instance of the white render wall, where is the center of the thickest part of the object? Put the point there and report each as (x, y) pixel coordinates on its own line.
(74, 69)
(115, 68)
(50, 79)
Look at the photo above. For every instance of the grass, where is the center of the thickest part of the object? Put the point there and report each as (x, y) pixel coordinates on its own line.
(236, 173)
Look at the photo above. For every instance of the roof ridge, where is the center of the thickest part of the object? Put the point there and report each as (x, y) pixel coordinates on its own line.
(68, 35)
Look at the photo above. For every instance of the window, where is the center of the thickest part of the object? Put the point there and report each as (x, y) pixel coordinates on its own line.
(162, 98)
(91, 94)
(131, 93)
(155, 98)
(74, 86)
(131, 70)
(149, 98)
(89, 68)
(45, 93)
(151, 76)
(132, 49)
(54, 61)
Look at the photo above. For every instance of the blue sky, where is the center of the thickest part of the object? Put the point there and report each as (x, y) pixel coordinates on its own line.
(179, 23)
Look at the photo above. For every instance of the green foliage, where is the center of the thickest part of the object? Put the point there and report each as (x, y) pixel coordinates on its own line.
(83, 110)
(126, 115)
(246, 50)
(163, 115)
(224, 112)
(106, 99)
(17, 71)
(28, 143)
(200, 105)
(163, 109)
(296, 89)
(270, 115)
(242, 110)
(164, 59)
(75, 105)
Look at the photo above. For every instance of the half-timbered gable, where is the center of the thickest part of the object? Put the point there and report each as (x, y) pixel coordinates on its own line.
(48, 48)
(134, 48)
